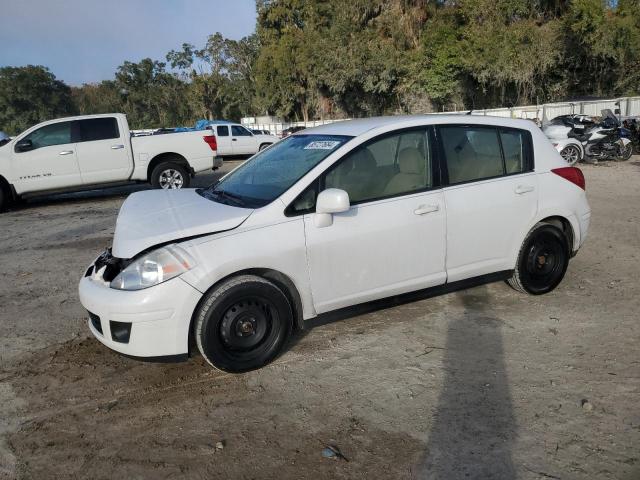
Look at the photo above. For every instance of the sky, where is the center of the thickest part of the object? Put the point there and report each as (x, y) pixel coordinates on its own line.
(83, 41)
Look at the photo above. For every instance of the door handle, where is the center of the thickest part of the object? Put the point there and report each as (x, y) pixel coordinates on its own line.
(234, 139)
(66, 152)
(116, 147)
(520, 189)
(423, 209)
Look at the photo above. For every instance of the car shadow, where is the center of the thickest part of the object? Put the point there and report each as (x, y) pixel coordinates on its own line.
(474, 426)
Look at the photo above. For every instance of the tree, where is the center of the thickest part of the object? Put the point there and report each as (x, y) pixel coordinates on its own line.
(152, 97)
(29, 95)
(220, 75)
(92, 98)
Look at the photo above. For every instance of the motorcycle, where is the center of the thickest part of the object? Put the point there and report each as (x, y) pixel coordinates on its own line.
(580, 140)
(633, 126)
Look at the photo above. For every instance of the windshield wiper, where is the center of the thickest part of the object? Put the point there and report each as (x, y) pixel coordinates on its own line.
(231, 196)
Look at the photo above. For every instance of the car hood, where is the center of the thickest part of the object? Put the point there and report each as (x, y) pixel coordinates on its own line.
(154, 217)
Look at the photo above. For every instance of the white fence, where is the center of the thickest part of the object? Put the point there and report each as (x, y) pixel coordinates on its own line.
(629, 106)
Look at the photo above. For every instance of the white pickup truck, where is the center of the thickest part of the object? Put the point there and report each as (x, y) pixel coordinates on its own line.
(78, 153)
(235, 140)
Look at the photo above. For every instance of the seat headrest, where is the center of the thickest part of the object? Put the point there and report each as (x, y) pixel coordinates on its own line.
(411, 160)
(363, 160)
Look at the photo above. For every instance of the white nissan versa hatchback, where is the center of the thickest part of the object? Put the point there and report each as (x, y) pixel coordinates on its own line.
(335, 216)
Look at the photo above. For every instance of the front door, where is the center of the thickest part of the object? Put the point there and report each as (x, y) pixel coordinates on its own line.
(392, 240)
(491, 200)
(242, 141)
(45, 159)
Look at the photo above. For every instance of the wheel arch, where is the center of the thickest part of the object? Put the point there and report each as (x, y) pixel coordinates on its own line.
(565, 225)
(282, 281)
(167, 157)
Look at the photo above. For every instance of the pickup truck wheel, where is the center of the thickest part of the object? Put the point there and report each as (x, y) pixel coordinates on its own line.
(3, 198)
(170, 175)
(243, 324)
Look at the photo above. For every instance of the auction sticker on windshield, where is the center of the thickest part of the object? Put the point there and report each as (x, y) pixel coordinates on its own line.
(322, 145)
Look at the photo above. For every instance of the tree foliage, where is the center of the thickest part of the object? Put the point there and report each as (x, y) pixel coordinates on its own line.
(336, 58)
(29, 95)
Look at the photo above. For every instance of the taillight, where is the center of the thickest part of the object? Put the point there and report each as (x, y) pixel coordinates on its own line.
(573, 174)
(211, 141)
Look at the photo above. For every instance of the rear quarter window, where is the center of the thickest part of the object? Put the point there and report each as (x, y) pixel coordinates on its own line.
(98, 129)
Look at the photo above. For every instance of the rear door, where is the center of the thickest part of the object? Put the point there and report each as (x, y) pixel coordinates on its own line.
(243, 141)
(491, 197)
(223, 137)
(103, 151)
(50, 161)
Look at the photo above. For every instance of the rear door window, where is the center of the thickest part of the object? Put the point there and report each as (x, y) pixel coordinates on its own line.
(471, 153)
(98, 129)
(222, 131)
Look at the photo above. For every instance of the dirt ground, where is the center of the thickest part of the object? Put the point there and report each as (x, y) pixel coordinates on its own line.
(483, 383)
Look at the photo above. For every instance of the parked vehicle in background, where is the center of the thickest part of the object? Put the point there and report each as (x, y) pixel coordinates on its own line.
(88, 151)
(235, 140)
(633, 125)
(335, 216)
(290, 131)
(260, 132)
(594, 139)
(4, 138)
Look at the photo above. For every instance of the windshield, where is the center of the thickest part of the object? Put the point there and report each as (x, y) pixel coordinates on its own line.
(273, 171)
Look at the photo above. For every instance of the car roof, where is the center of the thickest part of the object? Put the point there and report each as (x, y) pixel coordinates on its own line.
(362, 125)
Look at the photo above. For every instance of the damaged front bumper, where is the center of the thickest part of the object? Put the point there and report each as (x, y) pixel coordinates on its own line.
(153, 322)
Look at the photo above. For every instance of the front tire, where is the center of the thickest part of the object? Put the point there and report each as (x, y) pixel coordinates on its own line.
(542, 261)
(626, 153)
(170, 176)
(4, 198)
(571, 154)
(243, 324)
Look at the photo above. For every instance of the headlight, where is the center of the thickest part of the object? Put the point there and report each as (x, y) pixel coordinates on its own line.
(153, 268)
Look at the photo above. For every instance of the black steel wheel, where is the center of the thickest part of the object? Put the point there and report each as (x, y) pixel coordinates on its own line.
(243, 324)
(542, 261)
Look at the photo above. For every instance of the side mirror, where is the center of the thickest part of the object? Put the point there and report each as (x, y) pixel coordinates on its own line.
(24, 146)
(330, 201)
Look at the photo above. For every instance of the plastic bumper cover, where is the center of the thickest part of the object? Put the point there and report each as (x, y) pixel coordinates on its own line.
(158, 317)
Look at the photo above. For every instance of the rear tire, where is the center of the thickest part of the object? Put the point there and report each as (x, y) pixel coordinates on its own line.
(264, 145)
(571, 154)
(542, 261)
(243, 324)
(170, 176)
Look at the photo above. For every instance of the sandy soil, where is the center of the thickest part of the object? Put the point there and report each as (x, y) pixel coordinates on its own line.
(484, 383)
